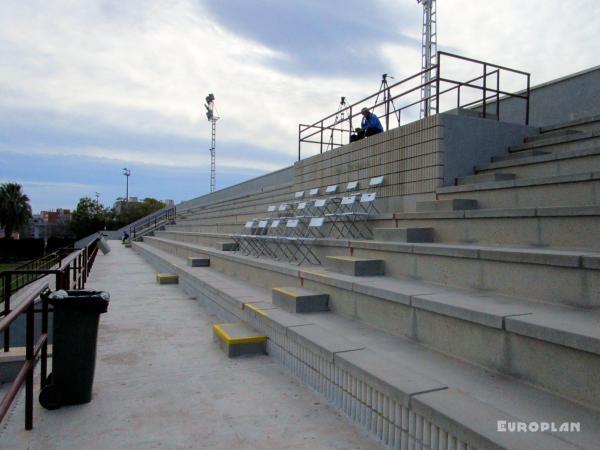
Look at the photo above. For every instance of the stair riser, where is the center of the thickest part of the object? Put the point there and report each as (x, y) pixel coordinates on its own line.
(566, 232)
(209, 241)
(583, 144)
(562, 285)
(586, 127)
(495, 175)
(492, 348)
(564, 194)
(552, 168)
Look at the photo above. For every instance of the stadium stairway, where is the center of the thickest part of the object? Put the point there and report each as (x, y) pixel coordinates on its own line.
(487, 309)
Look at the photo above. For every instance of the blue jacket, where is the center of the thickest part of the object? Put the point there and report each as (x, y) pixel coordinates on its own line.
(371, 122)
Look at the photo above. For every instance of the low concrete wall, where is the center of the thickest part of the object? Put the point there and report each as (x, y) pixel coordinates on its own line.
(557, 101)
(278, 178)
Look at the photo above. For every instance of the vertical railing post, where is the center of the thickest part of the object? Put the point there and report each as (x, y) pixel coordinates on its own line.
(44, 358)
(7, 292)
(299, 139)
(321, 136)
(437, 84)
(30, 359)
(528, 96)
(350, 124)
(484, 90)
(498, 94)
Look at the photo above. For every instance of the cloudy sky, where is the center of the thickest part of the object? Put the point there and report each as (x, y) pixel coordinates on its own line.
(88, 87)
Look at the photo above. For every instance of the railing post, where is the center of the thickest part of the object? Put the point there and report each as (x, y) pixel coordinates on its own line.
(44, 361)
(498, 94)
(7, 292)
(299, 139)
(484, 90)
(437, 84)
(321, 136)
(528, 96)
(30, 360)
(350, 124)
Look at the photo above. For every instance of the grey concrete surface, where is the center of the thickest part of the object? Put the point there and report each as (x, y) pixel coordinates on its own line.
(299, 300)
(162, 383)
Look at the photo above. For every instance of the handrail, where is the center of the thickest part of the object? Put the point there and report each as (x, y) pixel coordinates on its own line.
(70, 272)
(490, 88)
(167, 214)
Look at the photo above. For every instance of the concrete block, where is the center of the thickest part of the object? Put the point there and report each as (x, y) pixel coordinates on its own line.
(485, 178)
(455, 204)
(300, 300)
(226, 246)
(403, 234)
(350, 265)
(167, 278)
(193, 261)
(476, 423)
(237, 339)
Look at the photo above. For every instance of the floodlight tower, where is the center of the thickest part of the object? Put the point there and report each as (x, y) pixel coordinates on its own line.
(428, 54)
(212, 118)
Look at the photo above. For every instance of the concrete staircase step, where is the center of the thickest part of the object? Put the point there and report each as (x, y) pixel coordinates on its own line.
(226, 246)
(194, 261)
(558, 141)
(237, 339)
(167, 278)
(484, 178)
(357, 267)
(519, 155)
(300, 300)
(454, 204)
(551, 134)
(403, 234)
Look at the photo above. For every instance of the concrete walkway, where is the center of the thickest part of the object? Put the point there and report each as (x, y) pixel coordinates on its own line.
(162, 383)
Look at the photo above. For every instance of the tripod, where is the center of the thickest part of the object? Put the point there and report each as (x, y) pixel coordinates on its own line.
(339, 118)
(387, 99)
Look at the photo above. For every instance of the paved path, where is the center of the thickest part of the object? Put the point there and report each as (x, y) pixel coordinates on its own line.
(162, 383)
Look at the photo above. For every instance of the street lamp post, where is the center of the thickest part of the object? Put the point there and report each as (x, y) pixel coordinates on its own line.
(126, 172)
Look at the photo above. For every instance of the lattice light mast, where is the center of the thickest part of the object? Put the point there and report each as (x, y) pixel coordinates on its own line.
(212, 118)
(428, 54)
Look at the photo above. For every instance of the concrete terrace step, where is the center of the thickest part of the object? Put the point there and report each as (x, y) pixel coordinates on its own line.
(518, 156)
(563, 190)
(550, 135)
(581, 124)
(398, 370)
(570, 276)
(525, 227)
(564, 162)
(455, 204)
(443, 317)
(570, 141)
(198, 262)
(300, 300)
(403, 234)
(485, 178)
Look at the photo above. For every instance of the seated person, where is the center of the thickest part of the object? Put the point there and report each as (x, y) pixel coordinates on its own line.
(125, 237)
(370, 125)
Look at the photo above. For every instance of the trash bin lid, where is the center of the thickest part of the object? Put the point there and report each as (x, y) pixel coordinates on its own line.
(88, 300)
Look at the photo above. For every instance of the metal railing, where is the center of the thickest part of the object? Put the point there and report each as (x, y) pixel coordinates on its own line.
(70, 273)
(482, 92)
(139, 228)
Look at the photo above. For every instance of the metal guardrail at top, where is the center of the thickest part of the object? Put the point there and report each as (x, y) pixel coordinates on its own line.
(164, 215)
(71, 273)
(392, 100)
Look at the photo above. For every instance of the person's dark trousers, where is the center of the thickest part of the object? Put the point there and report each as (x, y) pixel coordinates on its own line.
(372, 131)
(357, 136)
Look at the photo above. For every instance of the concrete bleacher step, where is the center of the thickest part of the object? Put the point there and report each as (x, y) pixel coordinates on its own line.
(361, 370)
(195, 261)
(403, 234)
(167, 278)
(454, 204)
(551, 134)
(589, 123)
(300, 300)
(355, 266)
(577, 141)
(519, 155)
(484, 178)
(238, 339)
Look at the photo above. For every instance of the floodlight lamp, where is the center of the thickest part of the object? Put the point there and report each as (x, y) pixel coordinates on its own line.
(210, 98)
(209, 115)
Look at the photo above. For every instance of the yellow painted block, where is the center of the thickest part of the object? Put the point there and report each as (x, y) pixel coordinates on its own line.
(229, 332)
(255, 309)
(286, 292)
(167, 278)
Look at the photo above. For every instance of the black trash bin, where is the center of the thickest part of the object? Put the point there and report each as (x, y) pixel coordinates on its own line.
(75, 328)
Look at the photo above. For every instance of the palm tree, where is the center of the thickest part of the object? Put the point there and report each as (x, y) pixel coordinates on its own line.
(15, 210)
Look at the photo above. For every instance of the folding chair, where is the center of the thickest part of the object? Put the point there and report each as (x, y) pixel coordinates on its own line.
(298, 195)
(243, 240)
(375, 182)
(340, 219)
(283, 210)
(352, 186)
(313, 192)
(356, 221)
(301, 251)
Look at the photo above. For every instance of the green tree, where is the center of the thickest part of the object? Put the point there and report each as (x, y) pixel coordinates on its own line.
(130, 212)
(15, 210)
(89, 217)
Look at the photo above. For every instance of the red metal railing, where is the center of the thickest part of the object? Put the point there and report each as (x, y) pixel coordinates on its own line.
(70, 273)
(394, 99)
